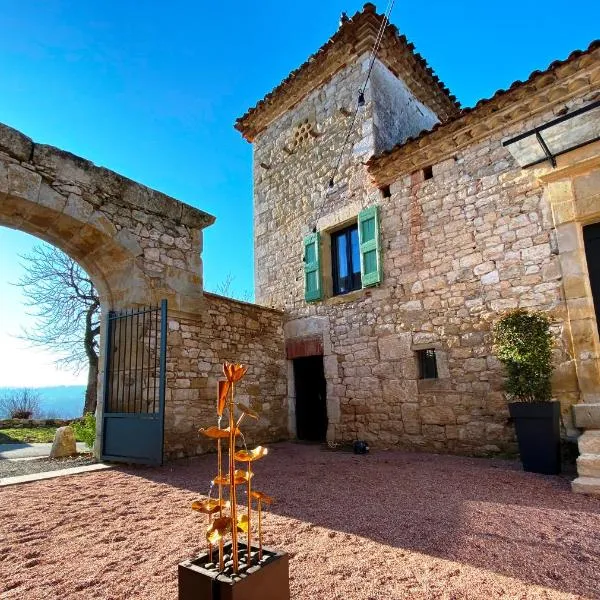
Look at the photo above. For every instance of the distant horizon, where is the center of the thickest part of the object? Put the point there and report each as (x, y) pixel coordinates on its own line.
(56, 401)
(42, 387)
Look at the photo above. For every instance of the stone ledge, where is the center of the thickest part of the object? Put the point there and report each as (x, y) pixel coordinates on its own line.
(586, 485)
(587, 416)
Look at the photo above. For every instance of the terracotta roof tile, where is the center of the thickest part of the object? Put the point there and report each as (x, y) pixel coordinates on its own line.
(352, 40)
(485, 102)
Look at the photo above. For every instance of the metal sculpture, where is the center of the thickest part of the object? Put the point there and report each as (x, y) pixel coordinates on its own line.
(228, 521)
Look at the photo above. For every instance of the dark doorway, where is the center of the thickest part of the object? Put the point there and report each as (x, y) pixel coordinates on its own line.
(591, 238)
(311, 399)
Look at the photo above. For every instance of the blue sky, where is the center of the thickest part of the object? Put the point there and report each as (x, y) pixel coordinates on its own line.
(152, 89)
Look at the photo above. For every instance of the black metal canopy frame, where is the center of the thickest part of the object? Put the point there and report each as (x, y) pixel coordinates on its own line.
(559, 136)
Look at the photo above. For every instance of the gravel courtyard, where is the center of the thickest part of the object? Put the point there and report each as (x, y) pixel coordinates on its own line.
(378, 527)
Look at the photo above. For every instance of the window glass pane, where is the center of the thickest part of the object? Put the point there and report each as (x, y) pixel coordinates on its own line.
(311, 281)
(310, 253)
(342, 256)
(370, 259)
(345, 249)
(368, 230)
(428, 364)
(355, 250)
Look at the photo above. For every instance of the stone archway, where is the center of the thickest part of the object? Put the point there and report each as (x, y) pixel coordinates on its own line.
(138, 245)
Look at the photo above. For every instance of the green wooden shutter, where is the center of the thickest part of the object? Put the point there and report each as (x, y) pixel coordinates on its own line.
(312, 268)
(370, 256)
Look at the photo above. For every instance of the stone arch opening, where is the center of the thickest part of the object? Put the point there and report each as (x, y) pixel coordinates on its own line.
(138, 245)
(57, 323)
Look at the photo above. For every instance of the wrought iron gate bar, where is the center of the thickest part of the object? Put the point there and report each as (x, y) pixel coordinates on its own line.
(134, 384)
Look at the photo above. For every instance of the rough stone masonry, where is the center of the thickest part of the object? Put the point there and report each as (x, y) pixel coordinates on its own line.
(465, 233)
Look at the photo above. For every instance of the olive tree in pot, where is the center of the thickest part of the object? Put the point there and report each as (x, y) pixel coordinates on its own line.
(523, 344)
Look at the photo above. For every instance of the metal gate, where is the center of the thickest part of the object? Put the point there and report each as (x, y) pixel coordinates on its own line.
(134, 385)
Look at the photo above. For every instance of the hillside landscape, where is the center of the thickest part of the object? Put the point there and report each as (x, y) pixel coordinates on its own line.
(64, 402)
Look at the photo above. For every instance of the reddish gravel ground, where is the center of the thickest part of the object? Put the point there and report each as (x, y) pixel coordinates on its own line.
(378, 527)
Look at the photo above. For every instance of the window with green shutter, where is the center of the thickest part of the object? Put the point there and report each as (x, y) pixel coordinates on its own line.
(312, 268)
(370, 256)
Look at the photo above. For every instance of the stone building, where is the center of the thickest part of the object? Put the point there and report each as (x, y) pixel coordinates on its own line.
(140, 246)
(392, 233)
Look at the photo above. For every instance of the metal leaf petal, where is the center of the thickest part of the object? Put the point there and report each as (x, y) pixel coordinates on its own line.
(262, 497)
(243, 523)
(234, 371)
(239, 477)
(216, 433)
(252, 455)
(224, 387)
(208, 507)
(218, 529)
(247, 410)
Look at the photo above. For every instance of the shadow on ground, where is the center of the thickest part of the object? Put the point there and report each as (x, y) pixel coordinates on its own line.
(481, 512)
(8, 439)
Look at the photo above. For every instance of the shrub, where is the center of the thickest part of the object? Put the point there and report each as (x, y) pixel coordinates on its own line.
(22, 403)
(85, 430)
(523, 344)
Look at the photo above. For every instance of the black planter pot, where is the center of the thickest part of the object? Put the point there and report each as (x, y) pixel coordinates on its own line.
(538, 432)
(267, 580)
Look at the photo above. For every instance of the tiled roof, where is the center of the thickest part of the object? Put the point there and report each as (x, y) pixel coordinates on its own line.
(483, 108)
(353, 39)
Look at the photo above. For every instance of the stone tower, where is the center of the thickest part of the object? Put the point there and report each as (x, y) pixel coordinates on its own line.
(303, 128)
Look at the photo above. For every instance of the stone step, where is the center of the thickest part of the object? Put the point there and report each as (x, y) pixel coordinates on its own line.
(588, 465)
(586, 485)
(589, 442)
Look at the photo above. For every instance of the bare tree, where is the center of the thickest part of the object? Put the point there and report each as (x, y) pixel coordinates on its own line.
(22, 403)
(66, 307)
(225, 288)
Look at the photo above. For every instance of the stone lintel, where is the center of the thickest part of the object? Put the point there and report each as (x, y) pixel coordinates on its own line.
(302, 347)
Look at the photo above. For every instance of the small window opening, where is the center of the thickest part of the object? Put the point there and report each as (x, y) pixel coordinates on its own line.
(345, 258)
(427, 364)
(385, 191)
(428, 172)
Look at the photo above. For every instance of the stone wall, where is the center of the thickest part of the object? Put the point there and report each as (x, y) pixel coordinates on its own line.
(291, 178)
(138, 245)
(225, 330)
(398, 114)
(458, 249)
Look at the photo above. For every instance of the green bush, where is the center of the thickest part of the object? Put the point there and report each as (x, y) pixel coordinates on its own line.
(85, 430)
(523, 344)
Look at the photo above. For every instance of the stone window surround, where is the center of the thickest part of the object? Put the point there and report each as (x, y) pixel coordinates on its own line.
(441, 358)
(340, 219)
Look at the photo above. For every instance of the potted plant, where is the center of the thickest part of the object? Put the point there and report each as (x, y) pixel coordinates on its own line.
(233, 570)
(523, 344)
